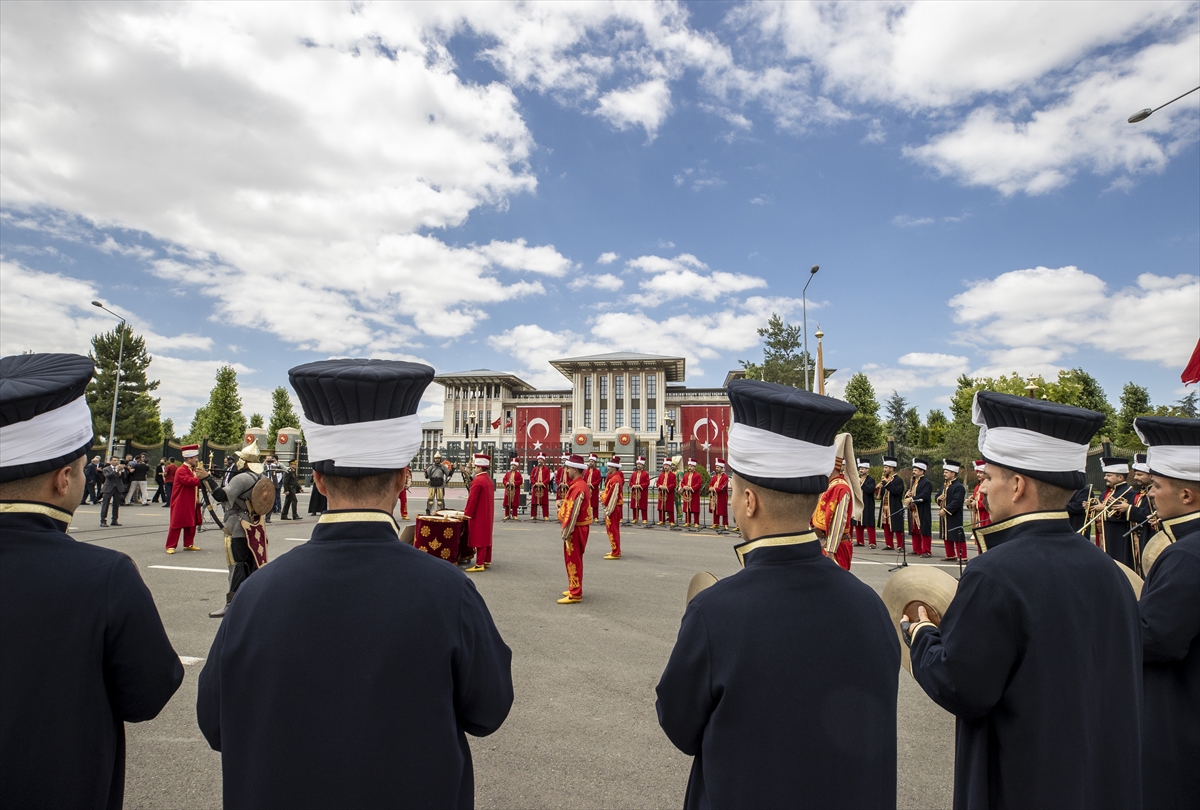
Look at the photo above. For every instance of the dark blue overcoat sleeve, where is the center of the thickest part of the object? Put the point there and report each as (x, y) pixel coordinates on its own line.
(685, 691)
(141, 669)
(1170, 607)
(955, 498)
(964, 664)
(208, 697)
(483, 688)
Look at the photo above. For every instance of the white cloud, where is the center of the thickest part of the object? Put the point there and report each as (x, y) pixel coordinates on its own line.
(1033, 320)
(685, 276)
(264, 163)
(608, 257)
(645, 106)
(603, 281)
(699, 177)
(906, 221)
(110, 245)
(916, 370)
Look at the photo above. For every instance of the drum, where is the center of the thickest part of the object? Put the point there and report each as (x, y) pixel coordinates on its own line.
(439, 536)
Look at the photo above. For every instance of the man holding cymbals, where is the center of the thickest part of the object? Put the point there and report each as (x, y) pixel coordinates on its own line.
(1038, 654)
(782, 684)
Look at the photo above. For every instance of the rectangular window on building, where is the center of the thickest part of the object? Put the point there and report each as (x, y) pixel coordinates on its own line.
(508, 422)
(603, 386)
(618, 418)
(651, 385)
(487, 427)
(570, 420)
(619, 386)
(457, 415)
(587, 417)
(587, 387)
(635, 418)
(603, 419)
(635, 386)
(651, 419)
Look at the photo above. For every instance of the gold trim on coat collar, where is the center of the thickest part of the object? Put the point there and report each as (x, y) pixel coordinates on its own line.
(1168, 526)
(359, 516)
(783, 540)
(31, 508)
(982, 532)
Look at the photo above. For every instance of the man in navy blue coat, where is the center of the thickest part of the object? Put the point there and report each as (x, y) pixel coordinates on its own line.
(1039, 653)
(782, 684)
(82, 648)
(1170, 611)
(348, 672)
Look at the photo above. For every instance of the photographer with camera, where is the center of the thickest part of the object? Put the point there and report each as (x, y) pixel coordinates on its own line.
(116, 483)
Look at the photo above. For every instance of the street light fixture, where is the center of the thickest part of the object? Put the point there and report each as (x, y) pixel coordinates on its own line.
(1142, 115)
(804, 301)
(112, 425)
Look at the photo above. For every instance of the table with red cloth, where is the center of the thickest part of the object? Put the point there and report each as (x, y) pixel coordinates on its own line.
(440, 536)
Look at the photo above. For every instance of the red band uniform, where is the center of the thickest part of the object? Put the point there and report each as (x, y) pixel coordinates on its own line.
(560, 481)
(666, 497)
(591, 477)
(639, 493)
(613, 507)
(481, 512)
(832, 519)
(512, 492)
(185, 511)
(690, 503)
(718, 495)
(539, 497)
(575, 516)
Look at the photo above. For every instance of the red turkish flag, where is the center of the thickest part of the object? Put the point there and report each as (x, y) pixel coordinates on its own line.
(1191, 374)
(704, 431)
(538, 430)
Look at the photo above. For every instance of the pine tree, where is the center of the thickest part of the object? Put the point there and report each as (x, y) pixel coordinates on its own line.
(914, 432)
(864, 426)
(1135, 402)
(138, 416)
(256, 420)
(896, 424)
(1186, 407)
(282, 414)
(936, 425)
(783, 359)
(221, 420)
(168, 429)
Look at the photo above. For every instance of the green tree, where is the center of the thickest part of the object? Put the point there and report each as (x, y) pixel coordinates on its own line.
(896, 424)
(256, 420)
(783, 359)
(221, 420)
(936, 425)
(1186, 407)
(1135, 402)
(138, 416)
(913, 430)
(864, 426)
(282, 413)
(168, 428)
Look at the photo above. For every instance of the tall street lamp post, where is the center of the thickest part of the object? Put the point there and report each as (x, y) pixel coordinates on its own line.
(804, 302)
(1142, 115)
(112, 425)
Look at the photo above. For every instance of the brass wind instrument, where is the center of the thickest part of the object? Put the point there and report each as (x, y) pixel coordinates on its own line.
(881, 492)
(941, 499)
(1104, 510)
(914, 515)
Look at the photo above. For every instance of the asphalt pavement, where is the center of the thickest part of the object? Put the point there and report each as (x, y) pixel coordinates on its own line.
(582, 732)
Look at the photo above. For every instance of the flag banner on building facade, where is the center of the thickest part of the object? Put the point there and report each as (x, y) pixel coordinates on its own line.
(704, 432)
(538, 430)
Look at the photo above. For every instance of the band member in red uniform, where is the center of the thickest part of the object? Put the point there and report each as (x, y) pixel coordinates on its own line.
(481, 511)
(539, 483)
(977, 505)
(403, 503)
(891, 504)
(866, 524)
(718, 496)
(576, 519)
(184, 497)
(690, 498)
(560, 479)
(639, 493)
(512, 489)
(834, 512)
(591, 477)
(666, 495)
(612, 507)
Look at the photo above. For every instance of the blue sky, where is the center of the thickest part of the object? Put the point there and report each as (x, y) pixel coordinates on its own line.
(494, 185)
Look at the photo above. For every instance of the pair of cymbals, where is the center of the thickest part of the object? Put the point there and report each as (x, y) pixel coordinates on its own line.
(917, 583)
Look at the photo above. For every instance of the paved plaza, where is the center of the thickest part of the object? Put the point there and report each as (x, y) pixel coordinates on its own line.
(582, 731)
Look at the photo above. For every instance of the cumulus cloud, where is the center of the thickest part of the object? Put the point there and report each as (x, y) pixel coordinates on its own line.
(603, 281)
(313, 151)
(916, 370)
(1033, 320)
(685, 276)
(608, 257)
